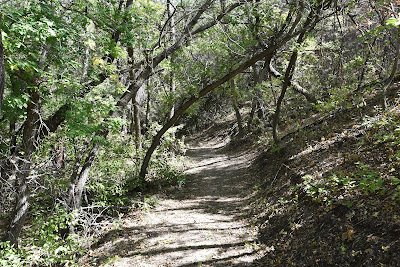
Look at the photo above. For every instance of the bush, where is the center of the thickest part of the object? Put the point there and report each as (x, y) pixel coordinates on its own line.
(44, 245)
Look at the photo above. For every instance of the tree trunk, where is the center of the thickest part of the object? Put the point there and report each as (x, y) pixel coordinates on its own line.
(238, 118)
(30, 137)
(257, 104)
(237, 111)
(8, 167)
(254, 100)
(136, 118)
(295, 85)
(393, 71)
(80, 183)
(147, 116)
(24, 169)
(74, 176)
(252, 112)
(156, 139)
(286, 82)
(172, 59)
(2, 71)
(131, 119)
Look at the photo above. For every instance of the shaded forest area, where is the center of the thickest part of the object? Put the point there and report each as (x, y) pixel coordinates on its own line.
(97, 98)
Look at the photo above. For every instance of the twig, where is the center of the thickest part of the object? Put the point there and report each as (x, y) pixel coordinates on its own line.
(276, 175)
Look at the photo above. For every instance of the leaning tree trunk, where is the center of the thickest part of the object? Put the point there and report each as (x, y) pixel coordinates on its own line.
(203, 92)
(309, 24)
(286, 82)
(24, 168)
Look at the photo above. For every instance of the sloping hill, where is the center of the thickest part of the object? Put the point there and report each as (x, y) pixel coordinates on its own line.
(329, 194)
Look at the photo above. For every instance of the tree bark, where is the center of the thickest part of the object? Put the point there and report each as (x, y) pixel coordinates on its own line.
(30, 136)
(254, 100)
(22, 196)
(79, 186)
(135, 108)
(252, 112)
(147, 115)
(172, 59)
(71, 202)
(286, 82)
(136, 118)
(393, 71)
(295, 85)
(137, 100)
(239, 119)
(237, 111)
(2, 71)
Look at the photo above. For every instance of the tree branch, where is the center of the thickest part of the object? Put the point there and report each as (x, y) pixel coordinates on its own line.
(296, 86)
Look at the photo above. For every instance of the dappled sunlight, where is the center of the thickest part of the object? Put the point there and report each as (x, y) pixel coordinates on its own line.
(199, 224)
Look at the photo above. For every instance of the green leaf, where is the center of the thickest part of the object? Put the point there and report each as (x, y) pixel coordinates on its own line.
(393, 22)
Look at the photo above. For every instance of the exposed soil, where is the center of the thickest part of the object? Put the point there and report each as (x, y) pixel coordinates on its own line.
(202, 224)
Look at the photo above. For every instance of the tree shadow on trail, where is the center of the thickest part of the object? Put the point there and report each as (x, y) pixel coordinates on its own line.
(201, 223)
(222, 262)
(217, 183)
(130, 248)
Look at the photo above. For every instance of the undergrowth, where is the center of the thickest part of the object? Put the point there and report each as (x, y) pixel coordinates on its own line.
(55, 236)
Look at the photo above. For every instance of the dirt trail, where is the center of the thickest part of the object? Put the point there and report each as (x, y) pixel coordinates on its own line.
(200, 225)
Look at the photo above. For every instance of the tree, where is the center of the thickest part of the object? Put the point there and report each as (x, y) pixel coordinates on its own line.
(287, 31)
(2, 71)
(72, 69)
(143, 70)
(34, 55)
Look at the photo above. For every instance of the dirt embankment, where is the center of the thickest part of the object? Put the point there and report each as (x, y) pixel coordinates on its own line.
(329, 195)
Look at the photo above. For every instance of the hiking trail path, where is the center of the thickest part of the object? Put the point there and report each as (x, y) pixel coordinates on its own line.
(202, 224)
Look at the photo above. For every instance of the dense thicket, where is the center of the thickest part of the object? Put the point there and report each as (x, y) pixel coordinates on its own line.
(94, 92)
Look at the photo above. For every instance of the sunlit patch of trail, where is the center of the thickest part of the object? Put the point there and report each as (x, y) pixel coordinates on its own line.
(201, 225)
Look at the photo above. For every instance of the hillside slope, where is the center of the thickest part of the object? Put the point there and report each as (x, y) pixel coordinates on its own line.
(329, 194)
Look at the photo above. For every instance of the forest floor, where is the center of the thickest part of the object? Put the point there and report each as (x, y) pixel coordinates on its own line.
(329, 194)
(203, 223)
